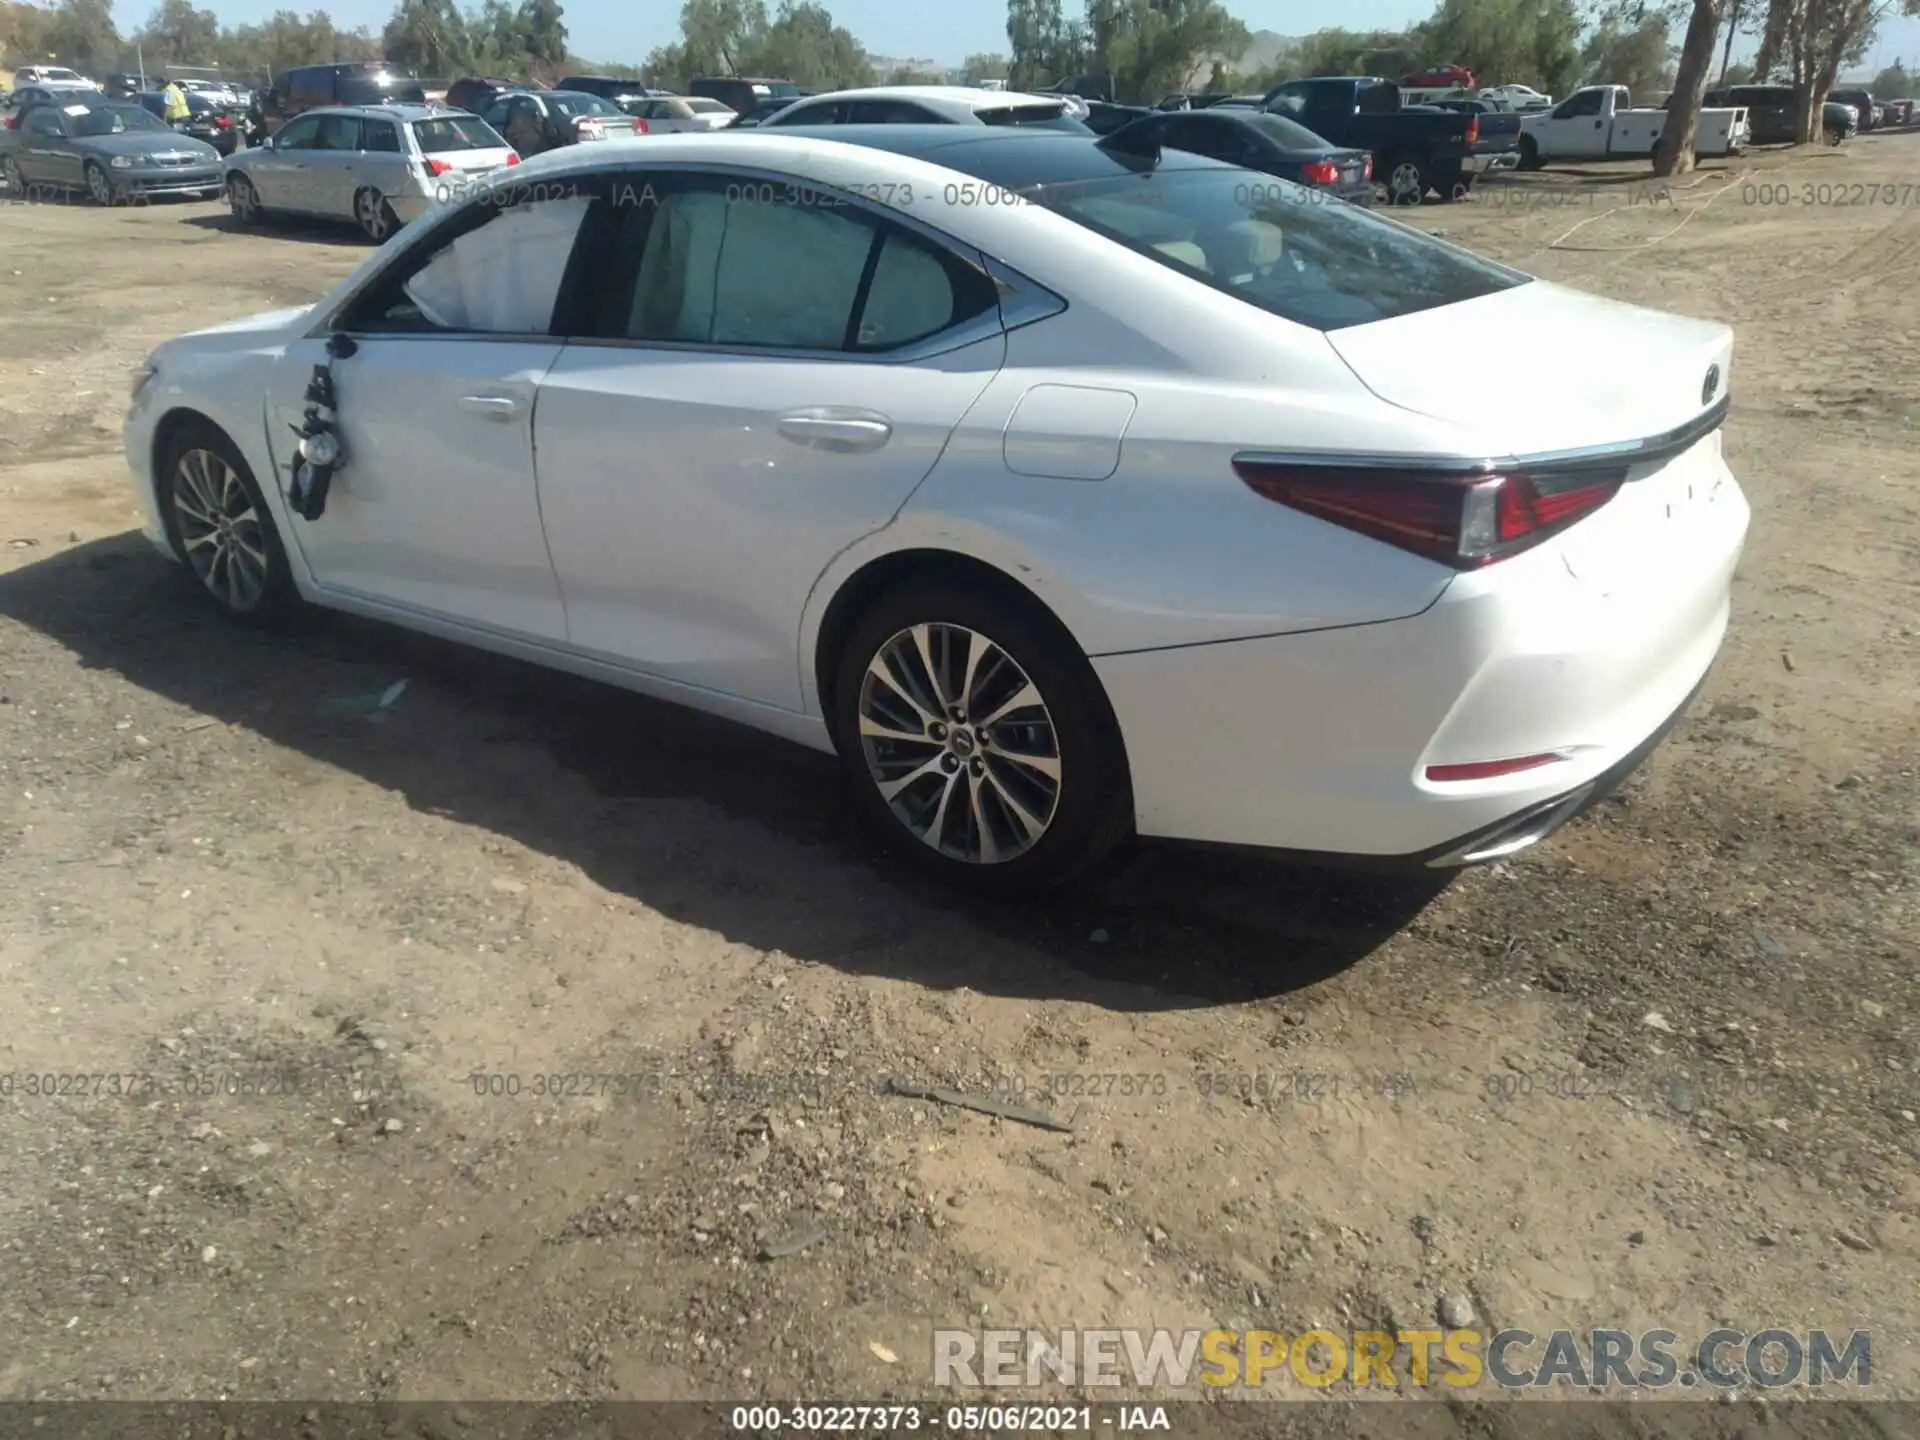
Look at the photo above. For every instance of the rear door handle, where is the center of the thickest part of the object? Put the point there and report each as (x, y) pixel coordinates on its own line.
(841, 431)
(493, 407)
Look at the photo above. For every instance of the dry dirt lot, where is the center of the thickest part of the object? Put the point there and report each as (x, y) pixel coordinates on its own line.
(1663, 1071)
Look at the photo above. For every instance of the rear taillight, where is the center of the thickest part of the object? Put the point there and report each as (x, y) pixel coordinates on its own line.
(223, 122)
(640, 126)
(1491, 769)
(513, 157)
(1320, 172)
(1366, 169)
(13, 121)
(1473, 131)
(1465, 519)
(438, 167)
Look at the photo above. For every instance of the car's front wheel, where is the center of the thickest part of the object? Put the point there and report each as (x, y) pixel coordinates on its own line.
(12, 182)
(243, 200)
(978, 738)
(1407, 181)
(220, 525)
(100, 184)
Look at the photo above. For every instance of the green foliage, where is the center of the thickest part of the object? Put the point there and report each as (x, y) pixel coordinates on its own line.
(798, 42)
(1637, 54)
(1739, 73)
(1504, 42)
(984, 67)
(1895, 83)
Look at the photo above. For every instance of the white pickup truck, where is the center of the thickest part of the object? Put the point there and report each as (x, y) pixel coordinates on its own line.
(1600, 123)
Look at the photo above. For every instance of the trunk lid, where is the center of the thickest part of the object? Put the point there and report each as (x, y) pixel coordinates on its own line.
(1599, 372)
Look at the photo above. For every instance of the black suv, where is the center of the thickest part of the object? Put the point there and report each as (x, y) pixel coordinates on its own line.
(1860, 100)
(362, 82)
(742, 94)
(476, 92)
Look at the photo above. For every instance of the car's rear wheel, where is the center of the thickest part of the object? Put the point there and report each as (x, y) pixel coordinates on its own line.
(1529, 153)
(243, 200)
(12, 182)
(374, 216)
(1407, 180)
(978, 739)
(220, 525)
(100, 185)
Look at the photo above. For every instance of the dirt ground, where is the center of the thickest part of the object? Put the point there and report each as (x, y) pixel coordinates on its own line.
(1661, 1072)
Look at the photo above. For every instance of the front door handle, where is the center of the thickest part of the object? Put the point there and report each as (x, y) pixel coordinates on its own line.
(493, 407)
(841, 431)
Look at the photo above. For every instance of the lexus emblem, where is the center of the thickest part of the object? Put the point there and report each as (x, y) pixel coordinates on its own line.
(1710, 386)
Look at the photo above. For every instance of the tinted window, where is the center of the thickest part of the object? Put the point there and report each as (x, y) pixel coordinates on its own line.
(379, 135)
(361, 87)
(499, 273)
(337, 132)
(1021, 114)
(455, 132)
(1325, 266)
(889, 112)
(297, 134)
(819, 112)
(571, 105)
(1586, 103)
(702, 106)
(721, 271)
(308, 87)
(111, 120)
(45, 122)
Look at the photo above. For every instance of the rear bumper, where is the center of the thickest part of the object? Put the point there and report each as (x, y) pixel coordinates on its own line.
(1318, 743)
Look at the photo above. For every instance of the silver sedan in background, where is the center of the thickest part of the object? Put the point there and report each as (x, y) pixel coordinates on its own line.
(379, 166)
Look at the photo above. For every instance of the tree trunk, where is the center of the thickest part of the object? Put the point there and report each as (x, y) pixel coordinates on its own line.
(1770, 41)
(1673, 152)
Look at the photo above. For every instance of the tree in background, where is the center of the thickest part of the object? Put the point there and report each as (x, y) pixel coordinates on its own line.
(1636, 54)
(1045, 45)
(984, 67)
(1343, 52)
(178, 34)
(1738, 73)
(1895, 83)
(430, 37)
(1153, 46)
(799, 42)
(1529, 42)
(1815, 38)
(1673, 151)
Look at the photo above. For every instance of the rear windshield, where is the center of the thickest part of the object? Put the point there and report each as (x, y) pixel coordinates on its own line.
(700, 105)
(781, 87)
(1326, 265)
(1022, 114)
(456, 132)
(1286, 133)
(579, 103)
(376, 89)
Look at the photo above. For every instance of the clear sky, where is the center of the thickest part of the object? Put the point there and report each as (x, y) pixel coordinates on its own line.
(943, 30)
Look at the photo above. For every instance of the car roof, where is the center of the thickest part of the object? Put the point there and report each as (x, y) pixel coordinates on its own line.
(388, 112)
(949, 94)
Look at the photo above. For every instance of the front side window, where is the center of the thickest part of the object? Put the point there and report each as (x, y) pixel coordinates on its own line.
(727, 264)
(498, 271)
(46, 122)
(826, 112)
(1581, 105)
(1324, 266)
(297, 134)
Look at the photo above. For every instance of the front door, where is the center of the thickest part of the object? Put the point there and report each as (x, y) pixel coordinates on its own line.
(48, 155)
(1578, 129)
(762, 385)
(435, 510)
(279, 172)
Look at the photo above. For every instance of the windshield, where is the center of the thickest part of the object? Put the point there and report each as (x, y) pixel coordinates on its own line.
(379, 89)
(1328, 266)
(456, 132)
(1286, 133)
(110, 120)
(571, 104)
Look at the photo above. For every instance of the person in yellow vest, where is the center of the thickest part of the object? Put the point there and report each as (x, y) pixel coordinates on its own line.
(176, 98)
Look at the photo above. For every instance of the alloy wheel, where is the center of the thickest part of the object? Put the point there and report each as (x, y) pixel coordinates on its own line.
(376, 220)
(221, 532)
(1404, 184)
(242, 200)
(960, 743)
(12, 182)
(99, 186)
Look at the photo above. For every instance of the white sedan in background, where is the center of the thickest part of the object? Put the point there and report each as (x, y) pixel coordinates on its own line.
(1518, 97)
(680, 114)
(1062, 492)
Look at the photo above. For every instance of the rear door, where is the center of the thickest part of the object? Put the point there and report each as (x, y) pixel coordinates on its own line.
(757, 386)
(333, 172)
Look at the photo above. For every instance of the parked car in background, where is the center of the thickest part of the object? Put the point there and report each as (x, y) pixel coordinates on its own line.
(1447, 75)
(627, 94)
(1415, 152)
(1103, 119)
(535, 121)
(380, 166)
(929, 105)
(1898, 112)
(856, 477)
(1254, 140)
(1600, 123)
(1839, 123)
(23, 97)
(676, 114)
(762, 111)
(1771, 111)
(112, 149)
(308, 87)
(124, 85)
(217, 91)
(740, 93)
(1192, 100)
(54, 75)
(474, 93)
(1499, 142)
(217, 125)
(1518, 97)
(1860, 99)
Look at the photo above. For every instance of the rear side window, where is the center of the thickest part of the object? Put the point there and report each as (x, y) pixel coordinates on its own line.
(1324, 266)
(1287, 134)
(455, 132)
(338, 132)
(715, 268)
(379, 135)
(1021, 114)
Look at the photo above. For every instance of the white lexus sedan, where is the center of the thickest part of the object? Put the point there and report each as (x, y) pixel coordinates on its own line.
(1064, 491)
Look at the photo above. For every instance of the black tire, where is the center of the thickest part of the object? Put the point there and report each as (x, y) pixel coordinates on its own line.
(1529, 153)
(243, 200)
(374, 215)
(1408, 179)
(275, 597)
(100, 186)
(12, 183)
(1089, 799)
